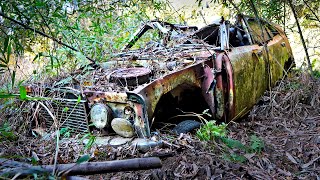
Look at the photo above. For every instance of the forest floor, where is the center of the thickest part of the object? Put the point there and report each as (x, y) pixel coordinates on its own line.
(286, 120)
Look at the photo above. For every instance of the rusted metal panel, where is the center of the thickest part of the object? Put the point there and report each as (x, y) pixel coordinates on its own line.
(249, 77)
(231, 94)
(154, 91)
(99, 96)
(208, 87)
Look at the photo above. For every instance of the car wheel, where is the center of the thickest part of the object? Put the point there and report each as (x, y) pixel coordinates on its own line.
(186, 126)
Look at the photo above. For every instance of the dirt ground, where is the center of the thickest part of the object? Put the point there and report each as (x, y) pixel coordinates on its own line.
(287, 119)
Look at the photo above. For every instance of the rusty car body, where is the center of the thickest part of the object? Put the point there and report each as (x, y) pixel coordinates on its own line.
(222, 67)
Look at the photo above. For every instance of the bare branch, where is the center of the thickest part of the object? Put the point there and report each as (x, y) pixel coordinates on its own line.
(43, 34)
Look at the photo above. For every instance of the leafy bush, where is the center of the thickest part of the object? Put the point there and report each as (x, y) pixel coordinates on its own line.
(210, 131)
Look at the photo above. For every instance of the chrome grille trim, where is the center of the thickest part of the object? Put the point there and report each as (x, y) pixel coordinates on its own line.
(75, 118)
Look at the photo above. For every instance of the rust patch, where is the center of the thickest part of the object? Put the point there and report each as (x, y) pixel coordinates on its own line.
(208, 86)
(98, 96)
(219, 91)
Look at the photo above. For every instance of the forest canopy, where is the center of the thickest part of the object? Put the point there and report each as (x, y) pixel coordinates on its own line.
(58, 36)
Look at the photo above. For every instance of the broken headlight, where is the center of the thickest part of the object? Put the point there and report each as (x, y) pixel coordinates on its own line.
(100, 115)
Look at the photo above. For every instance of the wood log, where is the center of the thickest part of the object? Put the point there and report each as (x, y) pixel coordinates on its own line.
(87, 168)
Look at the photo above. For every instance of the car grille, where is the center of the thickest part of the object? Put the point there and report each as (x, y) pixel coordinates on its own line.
(69, 112)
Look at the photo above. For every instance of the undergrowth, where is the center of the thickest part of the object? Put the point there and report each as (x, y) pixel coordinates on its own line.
(233, 149)
(6, 133)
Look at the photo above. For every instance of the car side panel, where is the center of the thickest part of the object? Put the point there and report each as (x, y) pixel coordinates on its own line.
(155, 90)
(249, 68)
(278, 56)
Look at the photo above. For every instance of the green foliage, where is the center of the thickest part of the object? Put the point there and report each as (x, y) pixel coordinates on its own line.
(293, 85)
(23, 93)
(316, 73)
(211, 130)
(91, 138)
(316, 68)
(96, 28)
(82, 159)
(256, 144)
(232, 143)
(6, 133)
(5, 58)
(65, 132)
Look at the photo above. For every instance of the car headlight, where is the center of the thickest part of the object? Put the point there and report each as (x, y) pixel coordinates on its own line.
(122, 127)
(100, 115)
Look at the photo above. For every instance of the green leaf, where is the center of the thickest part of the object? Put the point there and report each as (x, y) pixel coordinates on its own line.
(2, 60)
(9, 48)
(37, 56)
(5, 46)
(65, 109)
(63, 130)
(79, 99)
(51, 61)
(232, 143)
(13, 77)
(20, 82)
(233, 157)
(256, 144)
(84, 158)
(92, 139)
(8, 95)
(85, 136)
(40, 3)
(23, 93)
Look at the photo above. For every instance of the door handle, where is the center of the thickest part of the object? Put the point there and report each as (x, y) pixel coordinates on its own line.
(259, 53)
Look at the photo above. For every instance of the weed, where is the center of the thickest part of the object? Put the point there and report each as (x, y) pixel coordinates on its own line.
(65, 132)
(210, 131)
(232, 143)
(6, 133)
(91, 138)
(316, 73)
(256, 144)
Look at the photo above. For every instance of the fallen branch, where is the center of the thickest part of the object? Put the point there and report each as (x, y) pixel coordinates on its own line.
(88, 168)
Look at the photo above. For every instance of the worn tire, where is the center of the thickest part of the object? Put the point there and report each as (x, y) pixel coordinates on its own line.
(186, 126)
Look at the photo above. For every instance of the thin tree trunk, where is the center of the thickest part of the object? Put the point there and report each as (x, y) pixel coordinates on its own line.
(43, 34)
(284, 16)
(301, 35)
(265, 46)
(235, 6)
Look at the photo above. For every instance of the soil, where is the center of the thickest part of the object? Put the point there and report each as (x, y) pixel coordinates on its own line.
(286, 119)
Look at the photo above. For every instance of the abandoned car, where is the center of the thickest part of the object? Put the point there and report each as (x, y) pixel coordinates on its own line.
(223, 67)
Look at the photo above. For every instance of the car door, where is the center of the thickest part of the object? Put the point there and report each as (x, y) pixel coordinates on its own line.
(249, 67)
(279, 52)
